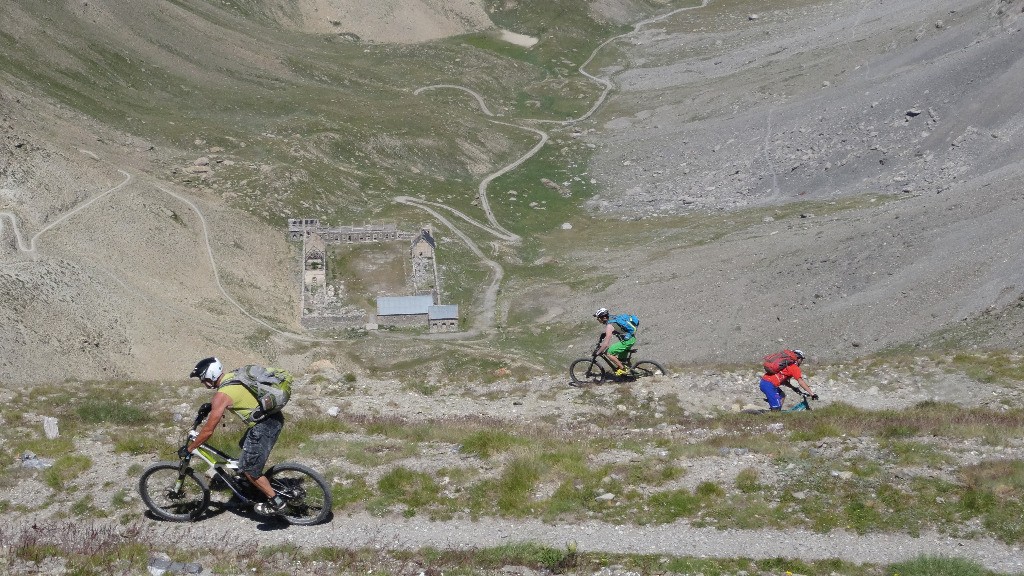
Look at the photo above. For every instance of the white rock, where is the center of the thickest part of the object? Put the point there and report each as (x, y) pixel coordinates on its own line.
(50, 427)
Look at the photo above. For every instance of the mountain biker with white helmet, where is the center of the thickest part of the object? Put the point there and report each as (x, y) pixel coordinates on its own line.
(259, 438)
(624, 327)
(771, 383)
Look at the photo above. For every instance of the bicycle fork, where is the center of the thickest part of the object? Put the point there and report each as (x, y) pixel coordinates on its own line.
(179, 484)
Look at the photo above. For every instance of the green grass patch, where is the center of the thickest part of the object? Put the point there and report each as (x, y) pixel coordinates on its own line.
(937, 566)
(137, 444)
(408, 487)
(115, 411)
(486, 443)
(65, 470)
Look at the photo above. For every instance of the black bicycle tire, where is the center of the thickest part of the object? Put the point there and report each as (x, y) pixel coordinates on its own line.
(153, 485)
(581, 372)
(648, 368)
(300, 511)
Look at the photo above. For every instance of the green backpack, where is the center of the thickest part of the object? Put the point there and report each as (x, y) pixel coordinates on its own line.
(272, 387)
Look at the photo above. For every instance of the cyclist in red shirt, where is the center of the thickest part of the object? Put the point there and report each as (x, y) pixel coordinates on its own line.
(771, 383)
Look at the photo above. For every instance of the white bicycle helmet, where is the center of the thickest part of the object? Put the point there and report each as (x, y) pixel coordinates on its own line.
(207, 369)
(799, 354)
(601, 312)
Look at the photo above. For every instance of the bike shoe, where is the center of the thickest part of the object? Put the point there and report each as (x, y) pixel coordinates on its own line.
(272, 507)
(621, 372)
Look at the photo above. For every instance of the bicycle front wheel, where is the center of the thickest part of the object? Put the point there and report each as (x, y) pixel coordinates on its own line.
(172, 495)
(648, 368)
(307, 495)
(586, 371)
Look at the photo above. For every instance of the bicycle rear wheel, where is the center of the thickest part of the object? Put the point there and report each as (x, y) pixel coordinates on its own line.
(648, 368)
(307, 495)
(586, 371)
(171, 495)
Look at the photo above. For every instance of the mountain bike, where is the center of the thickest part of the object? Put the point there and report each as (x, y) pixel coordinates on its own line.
(598, 368)
(175, 491)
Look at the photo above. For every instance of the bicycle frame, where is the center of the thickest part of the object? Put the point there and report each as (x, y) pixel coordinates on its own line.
(803, 404)
(628, 362)
(224, 466)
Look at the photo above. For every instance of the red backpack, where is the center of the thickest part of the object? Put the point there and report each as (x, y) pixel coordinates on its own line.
(775, 363)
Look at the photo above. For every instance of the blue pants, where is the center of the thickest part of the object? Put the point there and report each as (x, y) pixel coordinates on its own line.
(773, 394)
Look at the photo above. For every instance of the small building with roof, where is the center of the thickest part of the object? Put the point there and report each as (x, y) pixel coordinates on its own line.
(423, 245)
(443, 318)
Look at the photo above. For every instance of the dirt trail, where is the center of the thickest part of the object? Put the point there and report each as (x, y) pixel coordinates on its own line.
(678, 539)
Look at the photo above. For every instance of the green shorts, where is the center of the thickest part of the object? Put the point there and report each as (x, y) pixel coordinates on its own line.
(619, 349)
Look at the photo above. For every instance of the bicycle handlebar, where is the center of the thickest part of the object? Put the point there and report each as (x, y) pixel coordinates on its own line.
(201, 415)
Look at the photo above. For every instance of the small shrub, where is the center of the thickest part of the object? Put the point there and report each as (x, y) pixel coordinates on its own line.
(515, 485)
(747, 481)
(65, 469)
(487, 442)
(414, 489)
(709, 490)
(120, 499)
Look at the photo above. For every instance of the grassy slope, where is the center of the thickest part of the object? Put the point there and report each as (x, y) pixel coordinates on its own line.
(903, 472)
(318, 125)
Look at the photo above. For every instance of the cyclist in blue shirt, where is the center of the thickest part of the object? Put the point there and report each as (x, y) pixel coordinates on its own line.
(623, 326)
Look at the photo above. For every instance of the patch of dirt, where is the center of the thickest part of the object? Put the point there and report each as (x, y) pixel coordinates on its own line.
(400, 21)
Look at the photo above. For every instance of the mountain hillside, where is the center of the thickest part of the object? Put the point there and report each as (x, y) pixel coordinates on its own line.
(833, 175)
(877, 149)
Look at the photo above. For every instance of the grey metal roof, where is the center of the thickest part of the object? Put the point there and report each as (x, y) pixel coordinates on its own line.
(443, 312)
(392, 305)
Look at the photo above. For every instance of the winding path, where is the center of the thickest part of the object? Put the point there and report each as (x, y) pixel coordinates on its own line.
(30, 248)
(485, 319)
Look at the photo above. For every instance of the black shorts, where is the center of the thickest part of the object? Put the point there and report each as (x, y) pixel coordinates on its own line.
(258, 442)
